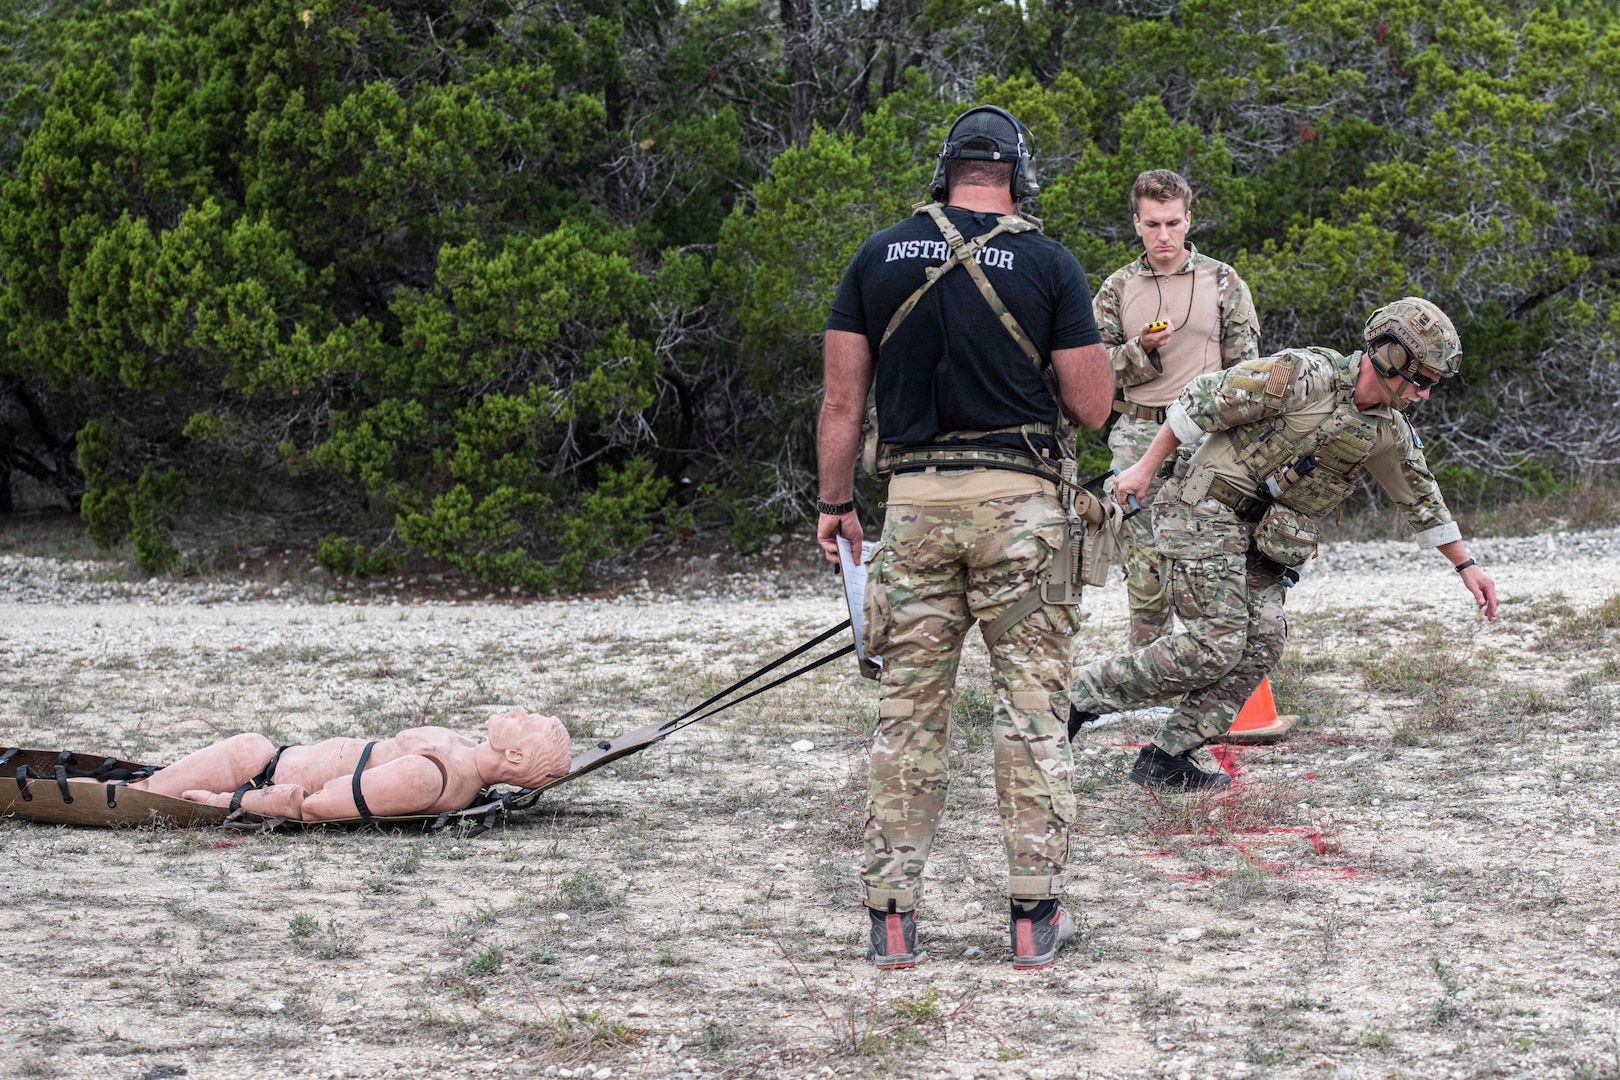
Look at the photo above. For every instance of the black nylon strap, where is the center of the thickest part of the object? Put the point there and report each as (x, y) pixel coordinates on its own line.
(61, 779)
(9, 754)
(772, 666)
(359, 799)
(794, 674)
(22, 784)
(112, 796)
(526, 798)
(236, 796)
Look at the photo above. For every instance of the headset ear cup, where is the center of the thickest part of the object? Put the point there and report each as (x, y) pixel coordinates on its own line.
(938, 190)
(1025, 186)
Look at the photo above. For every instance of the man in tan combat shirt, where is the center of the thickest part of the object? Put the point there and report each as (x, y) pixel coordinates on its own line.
(1209, 325)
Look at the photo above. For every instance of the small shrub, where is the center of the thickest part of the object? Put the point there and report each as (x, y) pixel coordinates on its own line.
(486, 961)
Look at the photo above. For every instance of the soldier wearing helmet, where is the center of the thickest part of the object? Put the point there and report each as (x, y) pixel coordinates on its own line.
(976, 333)
(1289, 435)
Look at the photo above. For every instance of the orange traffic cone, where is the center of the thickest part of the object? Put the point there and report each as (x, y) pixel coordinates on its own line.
(1257, 721)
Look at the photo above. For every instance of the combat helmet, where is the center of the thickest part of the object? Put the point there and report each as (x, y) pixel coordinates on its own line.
(1422, 329)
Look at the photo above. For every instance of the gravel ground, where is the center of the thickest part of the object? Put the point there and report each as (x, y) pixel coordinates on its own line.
(1416, 884)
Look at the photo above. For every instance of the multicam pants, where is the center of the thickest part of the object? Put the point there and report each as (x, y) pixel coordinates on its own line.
(1232, 630)
(1144, 573)
(936, 570)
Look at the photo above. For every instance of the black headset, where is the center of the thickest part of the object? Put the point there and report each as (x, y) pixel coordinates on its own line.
(1023, 186)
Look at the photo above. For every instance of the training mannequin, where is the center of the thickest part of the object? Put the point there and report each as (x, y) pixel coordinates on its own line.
(422, 770)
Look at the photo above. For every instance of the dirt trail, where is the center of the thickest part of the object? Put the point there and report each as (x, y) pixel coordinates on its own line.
(1420, 883)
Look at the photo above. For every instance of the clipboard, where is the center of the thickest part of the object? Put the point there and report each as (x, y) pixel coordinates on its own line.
(854, 575)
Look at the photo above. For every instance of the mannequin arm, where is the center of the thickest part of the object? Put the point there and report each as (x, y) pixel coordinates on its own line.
(406, 785)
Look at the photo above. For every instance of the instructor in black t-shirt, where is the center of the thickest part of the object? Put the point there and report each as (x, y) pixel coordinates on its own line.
(981, 330)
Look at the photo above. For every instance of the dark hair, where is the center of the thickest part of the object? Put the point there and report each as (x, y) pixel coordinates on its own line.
(1160, 185)
(973, 173)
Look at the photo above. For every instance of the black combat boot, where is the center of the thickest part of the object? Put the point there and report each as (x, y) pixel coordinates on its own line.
(1156, 769)
(1077, 718)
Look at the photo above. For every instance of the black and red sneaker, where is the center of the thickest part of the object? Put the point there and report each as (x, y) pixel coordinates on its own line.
(891, 939)
(1038, 934)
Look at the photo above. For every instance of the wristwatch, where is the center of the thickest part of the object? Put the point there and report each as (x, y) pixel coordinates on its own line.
(836, 509)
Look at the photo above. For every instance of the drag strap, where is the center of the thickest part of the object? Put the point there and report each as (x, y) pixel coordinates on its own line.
(773, 665)
(359, 799)
(1011, 617)
(794, 674)
(610, 750)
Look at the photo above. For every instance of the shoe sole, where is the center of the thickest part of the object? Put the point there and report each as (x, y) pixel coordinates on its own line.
(894, 963)
(1036, 964)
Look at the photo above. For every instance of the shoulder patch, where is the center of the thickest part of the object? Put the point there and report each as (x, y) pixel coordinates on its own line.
(1417, 441)
(1251, 376)
(1282, 374)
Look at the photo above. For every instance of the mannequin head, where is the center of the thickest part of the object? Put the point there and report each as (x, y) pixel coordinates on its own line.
(524, 749)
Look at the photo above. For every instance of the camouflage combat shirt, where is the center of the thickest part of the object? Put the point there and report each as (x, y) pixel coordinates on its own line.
(1206, 302)
(1321, 378)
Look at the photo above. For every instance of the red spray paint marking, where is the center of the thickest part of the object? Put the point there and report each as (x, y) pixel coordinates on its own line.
(1245, 845)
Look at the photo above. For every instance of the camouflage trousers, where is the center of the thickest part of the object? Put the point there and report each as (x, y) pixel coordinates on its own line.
(1232, 630)
(936, 570)
(1144, 571)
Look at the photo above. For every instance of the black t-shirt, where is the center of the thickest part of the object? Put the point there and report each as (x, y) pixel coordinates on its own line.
(952, 366)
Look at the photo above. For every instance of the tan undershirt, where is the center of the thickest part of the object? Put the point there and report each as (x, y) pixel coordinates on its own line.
(1194, 347)
(956, 486)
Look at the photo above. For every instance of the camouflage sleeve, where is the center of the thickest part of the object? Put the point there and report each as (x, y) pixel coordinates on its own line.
(1240, 326)
(1131, 364)
(1254, 390)
(1403, 472)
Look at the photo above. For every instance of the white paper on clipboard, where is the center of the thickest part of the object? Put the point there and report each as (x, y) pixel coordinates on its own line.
(854, 575)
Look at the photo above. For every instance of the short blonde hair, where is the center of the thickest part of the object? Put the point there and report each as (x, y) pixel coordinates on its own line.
(1160, 185)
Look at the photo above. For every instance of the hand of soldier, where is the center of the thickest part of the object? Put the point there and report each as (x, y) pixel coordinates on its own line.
(1133, 481)
(1483, 590)
(831, 526)
(1155, 340)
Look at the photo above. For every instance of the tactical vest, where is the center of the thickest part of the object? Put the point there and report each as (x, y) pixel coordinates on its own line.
(881, 459)
(1341, 445)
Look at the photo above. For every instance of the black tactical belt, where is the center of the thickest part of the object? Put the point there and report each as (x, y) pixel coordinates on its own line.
(947, 456)
(1141, 412)
(1246, 507)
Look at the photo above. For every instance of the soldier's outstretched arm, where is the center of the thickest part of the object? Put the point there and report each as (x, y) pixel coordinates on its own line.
(1086, 383)
(1478, 583)
(848, 377)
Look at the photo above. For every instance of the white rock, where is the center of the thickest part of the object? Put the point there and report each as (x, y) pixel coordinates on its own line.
(1190, 933)
(803, 746)
(972, 909)
(674, 1044)
(638, 1009)
(561, 916)
(972, 952)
